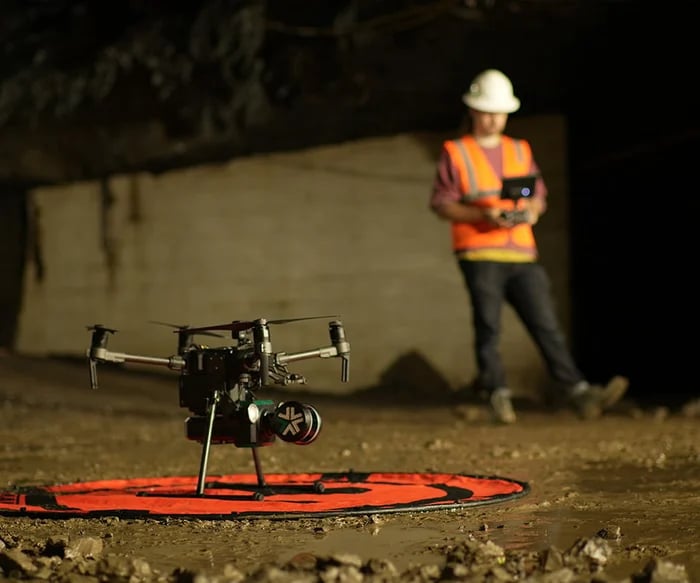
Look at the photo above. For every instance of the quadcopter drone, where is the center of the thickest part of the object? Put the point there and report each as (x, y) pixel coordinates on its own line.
(219, 387)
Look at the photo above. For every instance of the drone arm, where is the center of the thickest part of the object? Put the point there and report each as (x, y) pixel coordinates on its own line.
(104, 355)
(286, 357)
(101, 354)
(340, 347)
(282, 358)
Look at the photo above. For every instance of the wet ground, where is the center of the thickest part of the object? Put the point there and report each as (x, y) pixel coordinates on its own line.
(614, 499)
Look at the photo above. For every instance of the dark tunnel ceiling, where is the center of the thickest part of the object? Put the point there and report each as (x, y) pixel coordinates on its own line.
(102, 87)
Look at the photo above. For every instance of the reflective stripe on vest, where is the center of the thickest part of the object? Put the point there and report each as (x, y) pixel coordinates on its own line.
(481, 186)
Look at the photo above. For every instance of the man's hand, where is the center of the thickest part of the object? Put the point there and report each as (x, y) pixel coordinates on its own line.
(527, 212)
(508, 219)
(458, 212)
(535, 208)
(498, 218)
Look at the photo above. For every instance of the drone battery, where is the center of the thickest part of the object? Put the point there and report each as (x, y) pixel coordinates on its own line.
(205, 373)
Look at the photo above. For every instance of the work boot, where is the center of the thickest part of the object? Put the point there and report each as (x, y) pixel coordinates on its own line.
(614, 391)
(590, 401)
(501, 406)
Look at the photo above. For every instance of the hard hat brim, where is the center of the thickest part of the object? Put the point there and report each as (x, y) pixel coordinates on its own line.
(509, 106)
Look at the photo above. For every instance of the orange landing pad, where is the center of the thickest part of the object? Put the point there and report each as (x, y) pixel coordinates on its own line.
(283, 496)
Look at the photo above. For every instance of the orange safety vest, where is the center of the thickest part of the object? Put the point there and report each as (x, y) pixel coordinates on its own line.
(481, 186)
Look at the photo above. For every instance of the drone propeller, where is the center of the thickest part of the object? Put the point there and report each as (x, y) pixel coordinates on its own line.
(185, 328)
(241, 325)
(100, 328)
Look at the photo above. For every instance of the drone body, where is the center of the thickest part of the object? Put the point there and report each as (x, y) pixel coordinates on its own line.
(219, 385)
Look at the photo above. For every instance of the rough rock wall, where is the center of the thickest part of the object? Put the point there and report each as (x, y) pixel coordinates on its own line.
(343, 229)
(92, 89)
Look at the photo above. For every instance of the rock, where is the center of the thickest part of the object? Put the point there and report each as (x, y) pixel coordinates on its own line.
(16, 561)
(553, 560)
(662, 571)
(84, 548)
(595, 551)
(610, 532)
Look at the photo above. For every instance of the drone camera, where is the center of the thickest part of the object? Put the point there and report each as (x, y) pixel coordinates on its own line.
(257, 424)
(294, 422)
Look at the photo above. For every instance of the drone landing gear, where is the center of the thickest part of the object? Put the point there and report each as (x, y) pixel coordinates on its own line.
(318, 487)
(263, 488)
(204, 460)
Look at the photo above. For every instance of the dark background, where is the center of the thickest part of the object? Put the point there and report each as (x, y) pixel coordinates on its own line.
(82, 81)
(632, 114)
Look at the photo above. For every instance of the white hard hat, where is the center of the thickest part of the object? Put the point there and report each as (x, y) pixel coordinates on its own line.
(491, 91)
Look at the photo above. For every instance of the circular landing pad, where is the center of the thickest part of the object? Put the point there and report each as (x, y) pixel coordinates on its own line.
(283, 496)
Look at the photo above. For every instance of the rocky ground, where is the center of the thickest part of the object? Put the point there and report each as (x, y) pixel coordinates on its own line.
(612, 500)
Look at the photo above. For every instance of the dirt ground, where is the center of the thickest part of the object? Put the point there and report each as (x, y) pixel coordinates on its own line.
(614, 499)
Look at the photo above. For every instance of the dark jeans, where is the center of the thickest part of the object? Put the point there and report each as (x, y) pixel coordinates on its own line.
(526, 287)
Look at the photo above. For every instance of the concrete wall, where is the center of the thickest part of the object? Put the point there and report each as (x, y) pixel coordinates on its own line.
(342, 229)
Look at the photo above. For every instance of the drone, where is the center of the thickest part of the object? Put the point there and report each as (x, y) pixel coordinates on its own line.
(219, 386)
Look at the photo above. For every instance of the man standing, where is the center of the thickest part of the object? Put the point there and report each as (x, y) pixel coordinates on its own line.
(494, 243)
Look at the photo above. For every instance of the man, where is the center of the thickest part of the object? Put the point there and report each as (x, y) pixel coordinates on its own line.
(494, 243)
